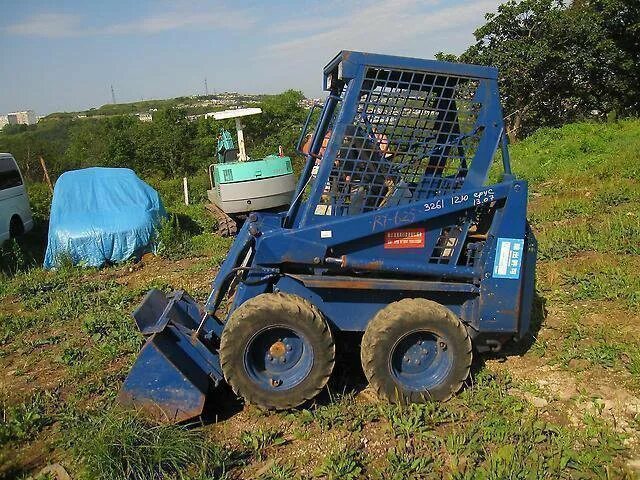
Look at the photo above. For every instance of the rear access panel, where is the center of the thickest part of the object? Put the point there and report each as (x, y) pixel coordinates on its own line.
(253, 195)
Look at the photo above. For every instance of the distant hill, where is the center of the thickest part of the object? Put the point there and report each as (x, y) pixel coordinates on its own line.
(194, 105)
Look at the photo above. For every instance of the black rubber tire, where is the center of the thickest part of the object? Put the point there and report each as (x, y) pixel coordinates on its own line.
(276, 309)
(395, 321)
(16, 227)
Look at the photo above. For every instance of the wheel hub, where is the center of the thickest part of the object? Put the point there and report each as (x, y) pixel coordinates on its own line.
(420, 360)
(278, 358)
(278, 349)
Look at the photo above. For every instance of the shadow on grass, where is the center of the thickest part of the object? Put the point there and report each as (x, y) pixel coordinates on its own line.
(511, 349)
(188, 225)
(25, 252)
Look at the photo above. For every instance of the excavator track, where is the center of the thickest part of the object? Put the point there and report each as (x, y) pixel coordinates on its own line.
(227, 226)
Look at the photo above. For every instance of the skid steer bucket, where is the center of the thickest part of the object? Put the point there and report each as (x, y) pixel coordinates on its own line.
(175, 369)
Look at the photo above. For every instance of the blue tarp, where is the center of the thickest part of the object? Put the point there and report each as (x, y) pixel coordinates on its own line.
(101, 215)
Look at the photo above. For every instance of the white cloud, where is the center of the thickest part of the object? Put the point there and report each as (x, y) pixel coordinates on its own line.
(220, 17)
(50, 25)
(57, 25)
(386, 25)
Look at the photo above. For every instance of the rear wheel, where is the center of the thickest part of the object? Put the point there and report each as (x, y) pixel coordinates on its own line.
(416, 350)
(277, 351)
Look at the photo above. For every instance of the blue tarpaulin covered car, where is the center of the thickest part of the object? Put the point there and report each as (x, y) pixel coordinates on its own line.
(101, 215)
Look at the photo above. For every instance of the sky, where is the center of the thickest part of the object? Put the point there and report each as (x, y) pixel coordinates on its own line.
(64, 55)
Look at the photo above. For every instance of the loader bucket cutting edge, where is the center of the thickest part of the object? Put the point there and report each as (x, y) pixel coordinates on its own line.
(174, 372)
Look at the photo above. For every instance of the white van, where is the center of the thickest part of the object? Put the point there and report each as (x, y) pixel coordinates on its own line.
(15, 213)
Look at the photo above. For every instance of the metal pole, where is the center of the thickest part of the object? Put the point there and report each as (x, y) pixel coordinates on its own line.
(243, 153)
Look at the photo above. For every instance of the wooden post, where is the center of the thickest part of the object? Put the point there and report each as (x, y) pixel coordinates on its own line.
(46, 173)
(186, 190)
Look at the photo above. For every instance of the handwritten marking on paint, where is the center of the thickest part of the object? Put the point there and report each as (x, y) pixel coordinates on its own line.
(483, 196)
(382, 221)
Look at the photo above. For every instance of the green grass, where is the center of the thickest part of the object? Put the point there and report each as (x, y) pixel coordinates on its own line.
(584, 209)
(617, 232)
(22, 422)
(342, 464)
(122, 446)
(566, 156)
(611, 283)
(260, 440)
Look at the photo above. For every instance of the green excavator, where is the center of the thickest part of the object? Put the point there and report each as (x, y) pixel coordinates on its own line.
(239, 184)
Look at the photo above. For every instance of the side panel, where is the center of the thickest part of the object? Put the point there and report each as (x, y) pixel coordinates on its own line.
(271, 166)
(506, 268)
(351, 310)
(254, 195)
(13, 197)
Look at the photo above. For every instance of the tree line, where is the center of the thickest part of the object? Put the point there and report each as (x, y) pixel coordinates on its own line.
(558, 62)
(169, 145)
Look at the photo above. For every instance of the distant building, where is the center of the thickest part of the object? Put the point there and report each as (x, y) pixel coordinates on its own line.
(25, 117)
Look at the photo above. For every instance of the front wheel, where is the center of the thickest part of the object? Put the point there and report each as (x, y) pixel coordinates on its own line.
(277, 351)
(416, 350)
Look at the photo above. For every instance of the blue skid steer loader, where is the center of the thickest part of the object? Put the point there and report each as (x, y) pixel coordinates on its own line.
(394, 231)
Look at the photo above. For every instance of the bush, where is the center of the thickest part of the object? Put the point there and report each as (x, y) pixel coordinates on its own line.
(171, 239)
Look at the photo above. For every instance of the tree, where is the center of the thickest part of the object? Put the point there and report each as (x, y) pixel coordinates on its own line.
(166, 145)
(280, 124)
(559, 63)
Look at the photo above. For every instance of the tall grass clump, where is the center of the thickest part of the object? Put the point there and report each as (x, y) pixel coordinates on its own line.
(121, 445)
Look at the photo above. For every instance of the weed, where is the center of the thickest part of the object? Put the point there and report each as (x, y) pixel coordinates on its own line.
(12, 326)
(12, 258)
(258, 441)
(72, 356)
(341, 411)
(403, 463)
(120, 445)
(171, 238)
(412, 420)
(343, 464)
(280, 471)
(504, 438)
(22, 422)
